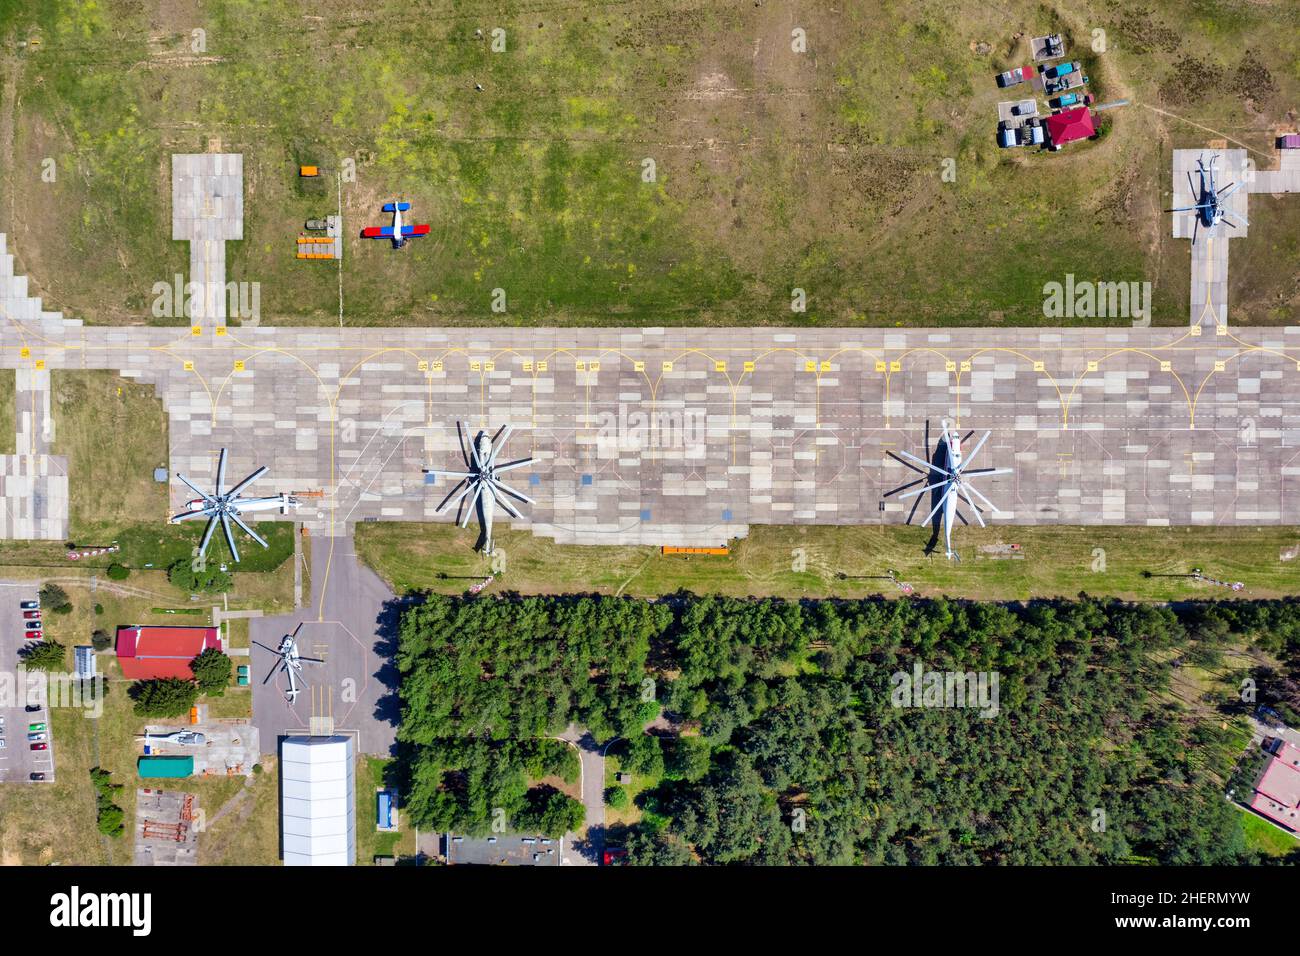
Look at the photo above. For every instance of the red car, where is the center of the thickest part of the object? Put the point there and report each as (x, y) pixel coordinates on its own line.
(32, 615)
(40, 746)
(32, 635)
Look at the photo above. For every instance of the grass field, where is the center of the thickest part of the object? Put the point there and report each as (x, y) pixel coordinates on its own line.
(799, 562)
(8, 436)
(773, 169)
(1262, 835)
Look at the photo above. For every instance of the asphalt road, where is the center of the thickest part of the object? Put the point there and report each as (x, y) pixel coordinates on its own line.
(351, 624)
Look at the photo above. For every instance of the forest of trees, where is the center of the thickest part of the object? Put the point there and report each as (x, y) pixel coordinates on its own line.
(785, 747)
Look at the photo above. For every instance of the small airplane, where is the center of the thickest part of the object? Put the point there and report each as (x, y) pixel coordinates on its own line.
(947, 475)
(1209, 208)
(396, 232)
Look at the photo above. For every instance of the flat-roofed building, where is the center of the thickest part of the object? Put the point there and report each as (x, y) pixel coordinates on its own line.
(318, 815)
(1277, 793)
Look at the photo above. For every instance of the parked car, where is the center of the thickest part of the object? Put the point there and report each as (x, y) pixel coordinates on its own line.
(1069, 99)
(40, 746)
(29, 605)
(32, 615)
(36, 776)
(2, 725)
(33, 625)
(34, 738)
(1060, 69)
(2, 743)
(32, 635)
(33, 708)
(35, 727)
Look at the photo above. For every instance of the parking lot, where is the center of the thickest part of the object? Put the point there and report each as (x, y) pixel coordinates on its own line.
(17, 760)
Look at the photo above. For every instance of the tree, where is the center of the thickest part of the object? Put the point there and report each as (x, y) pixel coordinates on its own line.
(55, 599)
(655, 847)
(101, 640)
(45, 656)
(549, 812)
(118, 572)
(616, 797)
(211, 672)
(644, 756)
(208, 578)
(164, 697)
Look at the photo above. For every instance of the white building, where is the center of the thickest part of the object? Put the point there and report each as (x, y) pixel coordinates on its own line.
(83, 657)
(318, 801)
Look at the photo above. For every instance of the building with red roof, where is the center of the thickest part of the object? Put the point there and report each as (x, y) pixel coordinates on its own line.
(1069, 125)
(1277, 793)
(149, 652)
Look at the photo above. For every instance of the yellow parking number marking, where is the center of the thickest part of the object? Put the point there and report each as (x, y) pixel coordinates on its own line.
(239, 366)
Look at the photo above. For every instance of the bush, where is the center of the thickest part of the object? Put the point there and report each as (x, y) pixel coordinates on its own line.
(210, 578)
(164, 697)
(616, 797)
(99, 609)
(118, 572)
(109, 814)
(101, 640)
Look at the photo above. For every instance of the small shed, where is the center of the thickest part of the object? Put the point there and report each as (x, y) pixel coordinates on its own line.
(83, 658)
(155, 767)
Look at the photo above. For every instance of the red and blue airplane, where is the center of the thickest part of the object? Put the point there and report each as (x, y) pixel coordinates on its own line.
(396, 232)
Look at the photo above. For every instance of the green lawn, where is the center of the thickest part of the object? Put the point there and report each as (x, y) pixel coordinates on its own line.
(1262, 835)
(8, 419)
(1057, 561)
(773, 169)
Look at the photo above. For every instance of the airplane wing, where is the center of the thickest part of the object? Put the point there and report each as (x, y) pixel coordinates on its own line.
(377, 232)
(394, 207)
(413, 230)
